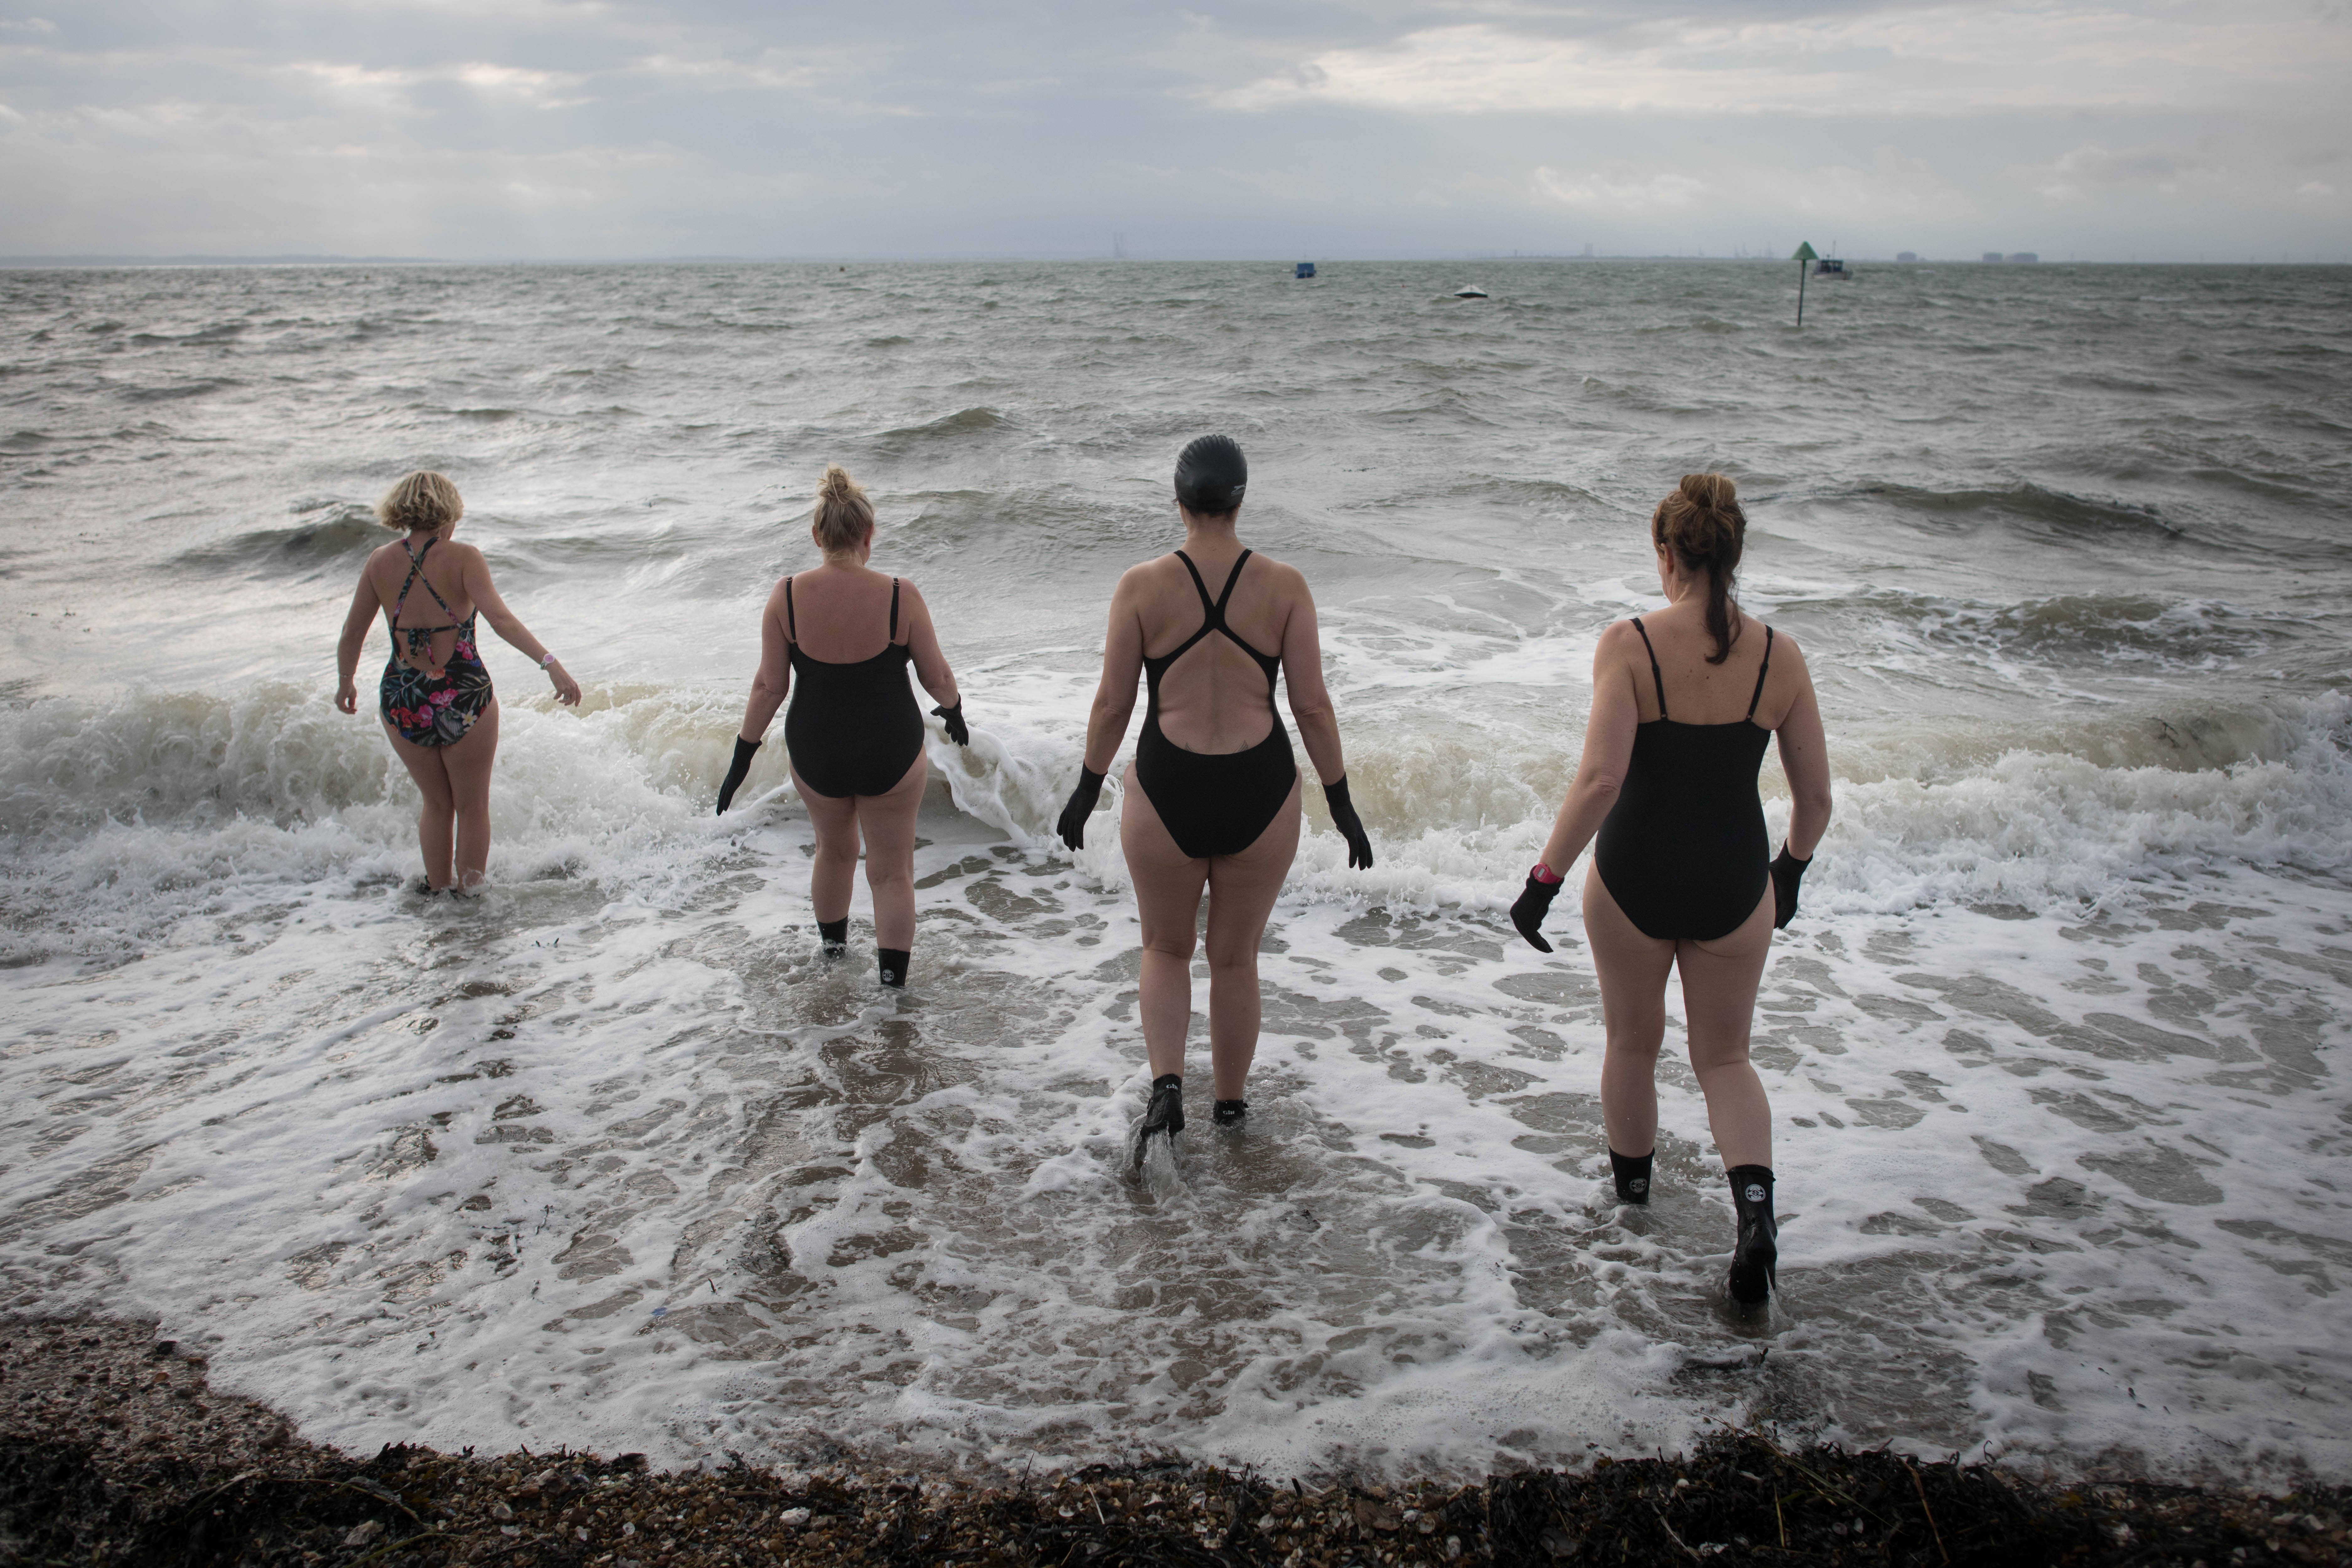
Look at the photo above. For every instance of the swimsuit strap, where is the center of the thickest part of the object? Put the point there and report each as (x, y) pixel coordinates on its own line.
(1760, 673)
(791, 626)
(894, 609)
(1662, 680)
(1213, 618)
(416, 571)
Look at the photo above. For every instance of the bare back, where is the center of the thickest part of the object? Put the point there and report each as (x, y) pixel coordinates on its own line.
(444, 569)
(1215, 698)
(1699, 692)
(841, 615)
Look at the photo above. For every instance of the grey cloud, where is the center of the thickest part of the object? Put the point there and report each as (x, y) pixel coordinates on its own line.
(538, 128)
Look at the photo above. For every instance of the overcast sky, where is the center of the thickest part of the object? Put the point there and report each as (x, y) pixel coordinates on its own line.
(1284, 129)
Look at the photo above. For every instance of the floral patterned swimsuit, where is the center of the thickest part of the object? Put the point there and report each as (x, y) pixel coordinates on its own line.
(432, 707)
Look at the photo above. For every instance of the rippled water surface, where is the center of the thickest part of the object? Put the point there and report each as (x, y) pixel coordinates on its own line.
(611, 1157)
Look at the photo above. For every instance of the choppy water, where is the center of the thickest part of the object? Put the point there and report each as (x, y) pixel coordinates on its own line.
(2055, 1051)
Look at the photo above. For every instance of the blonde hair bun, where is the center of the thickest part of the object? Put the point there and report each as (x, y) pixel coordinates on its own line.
(422, 502)
(844, 517)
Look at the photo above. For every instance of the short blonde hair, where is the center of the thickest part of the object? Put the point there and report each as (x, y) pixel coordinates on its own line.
(844, 518)
(421, 502)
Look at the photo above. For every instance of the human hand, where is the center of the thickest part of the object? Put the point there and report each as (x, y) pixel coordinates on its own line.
(1350, 826)
(737, 771)
(1534, 903)
(1788, 872)
(953, 719)
(567, 691)
(347, 697)
(1073, 826)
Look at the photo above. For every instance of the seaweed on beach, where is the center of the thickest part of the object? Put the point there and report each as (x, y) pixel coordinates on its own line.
(113, 1453)
(1739, 1498)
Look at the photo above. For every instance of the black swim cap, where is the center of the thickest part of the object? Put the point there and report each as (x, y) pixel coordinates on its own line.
(1211, 474)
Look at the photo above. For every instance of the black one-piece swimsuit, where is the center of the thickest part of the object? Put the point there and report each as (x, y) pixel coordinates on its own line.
(853, 728)
(1684, 851)
(1213, 803)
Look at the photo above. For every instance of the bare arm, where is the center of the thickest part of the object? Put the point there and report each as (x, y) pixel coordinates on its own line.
(1122, 666)
(1805, 759)
(1608, 750)
(1310, 702)
(365, 603)
(509, 626)
(772, 682)
(923, 643)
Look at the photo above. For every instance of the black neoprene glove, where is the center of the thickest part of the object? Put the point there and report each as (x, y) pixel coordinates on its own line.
(1533, 904)
(1787, 872)
(736, 772)
(953, 719)
(1073, 826)
(1350, 826)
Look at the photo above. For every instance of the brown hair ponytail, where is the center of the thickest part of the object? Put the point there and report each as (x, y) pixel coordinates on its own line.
(1701, 522)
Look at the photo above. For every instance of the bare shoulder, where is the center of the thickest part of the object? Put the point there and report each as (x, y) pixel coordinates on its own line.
(1287, 578)
(1785, 651)
(1145, 576)
(1618, 640)
(908, 592)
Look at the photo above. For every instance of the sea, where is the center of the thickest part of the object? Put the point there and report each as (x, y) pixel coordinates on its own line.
(610, 1158)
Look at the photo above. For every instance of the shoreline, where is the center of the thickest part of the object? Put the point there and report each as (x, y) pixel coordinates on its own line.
(115, 1450)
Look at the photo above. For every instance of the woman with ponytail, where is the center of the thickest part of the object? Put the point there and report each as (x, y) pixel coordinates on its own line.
(854, 734)
(1683, 701)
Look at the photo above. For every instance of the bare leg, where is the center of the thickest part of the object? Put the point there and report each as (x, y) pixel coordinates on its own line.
(1242, 890)
(888, 821)
(1719, 982)
(834, 818)
(1632, 969)
(468, 766)
(1168, 888)
(437, 815)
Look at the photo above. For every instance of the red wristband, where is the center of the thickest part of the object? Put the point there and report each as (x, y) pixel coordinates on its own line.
(1543, 873)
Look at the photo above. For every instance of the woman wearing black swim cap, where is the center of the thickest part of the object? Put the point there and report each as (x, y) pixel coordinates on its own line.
(1214, 802)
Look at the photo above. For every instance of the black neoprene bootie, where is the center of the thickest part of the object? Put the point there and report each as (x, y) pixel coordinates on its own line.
(835, 935)
(894, 966)
(1633, 1174)
(1755, 1256)
(1230, 1113)
(1165, 1116)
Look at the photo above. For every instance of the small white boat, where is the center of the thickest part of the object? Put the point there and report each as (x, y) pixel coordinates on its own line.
(1469, 291)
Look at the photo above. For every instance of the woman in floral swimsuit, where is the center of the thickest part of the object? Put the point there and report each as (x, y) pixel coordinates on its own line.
(435, 697)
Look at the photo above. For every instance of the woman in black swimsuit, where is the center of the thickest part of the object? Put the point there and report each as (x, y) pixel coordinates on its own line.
(854, 736)
(1212, 799)
(1680, 877)
(435, 695)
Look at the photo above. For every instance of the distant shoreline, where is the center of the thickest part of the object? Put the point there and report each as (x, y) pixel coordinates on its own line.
(126, 263)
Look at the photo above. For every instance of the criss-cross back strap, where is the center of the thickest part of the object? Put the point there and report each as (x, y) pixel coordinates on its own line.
(1762, 673)
(418, 636)
(1654, 675)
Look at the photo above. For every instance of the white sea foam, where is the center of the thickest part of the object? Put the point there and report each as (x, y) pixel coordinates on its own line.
(611, 1157)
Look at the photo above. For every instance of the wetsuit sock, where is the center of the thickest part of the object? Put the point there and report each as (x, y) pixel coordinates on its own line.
(1755, 1257)
(1230, 1112)
(1166, 1114)
(893, 965)
(834, 935)
(1633, 1174)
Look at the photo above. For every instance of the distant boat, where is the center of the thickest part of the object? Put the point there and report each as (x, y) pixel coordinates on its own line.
(1306, 269)
(1830, 266)
(1469, 291)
